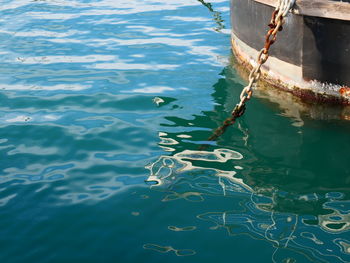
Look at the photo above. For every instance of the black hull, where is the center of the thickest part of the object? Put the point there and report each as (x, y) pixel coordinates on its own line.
(311, 56)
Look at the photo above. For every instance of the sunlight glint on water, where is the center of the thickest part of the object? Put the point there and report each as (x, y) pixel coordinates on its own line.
(105, 108)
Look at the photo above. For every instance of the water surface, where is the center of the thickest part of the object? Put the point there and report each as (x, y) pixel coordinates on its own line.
(99, 96)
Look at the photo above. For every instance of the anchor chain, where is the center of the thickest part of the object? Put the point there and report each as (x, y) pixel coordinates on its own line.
(276, 25)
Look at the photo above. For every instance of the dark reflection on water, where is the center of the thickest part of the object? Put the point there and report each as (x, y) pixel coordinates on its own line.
(289, 176)
(216, 15)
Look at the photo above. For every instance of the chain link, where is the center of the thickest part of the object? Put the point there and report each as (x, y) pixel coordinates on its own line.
(275, 25)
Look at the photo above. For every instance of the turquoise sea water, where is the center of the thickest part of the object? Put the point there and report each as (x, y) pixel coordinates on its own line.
(99, 96)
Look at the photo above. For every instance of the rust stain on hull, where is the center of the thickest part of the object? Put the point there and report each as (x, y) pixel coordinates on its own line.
(340, 97)
(290, 104)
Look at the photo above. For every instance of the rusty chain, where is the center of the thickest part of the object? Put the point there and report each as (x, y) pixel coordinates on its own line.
(276, 23)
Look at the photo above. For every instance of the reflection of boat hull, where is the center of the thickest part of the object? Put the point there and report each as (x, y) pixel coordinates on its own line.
(311, 57)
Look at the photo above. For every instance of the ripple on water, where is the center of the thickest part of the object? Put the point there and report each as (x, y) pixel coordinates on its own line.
(180, 229)
(166, 249)
(85, 88)
(257, 214)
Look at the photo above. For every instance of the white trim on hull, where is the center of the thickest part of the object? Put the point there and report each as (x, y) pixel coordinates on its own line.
(287, 76)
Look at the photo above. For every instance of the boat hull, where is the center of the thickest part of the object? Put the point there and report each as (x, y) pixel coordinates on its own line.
(311, 57)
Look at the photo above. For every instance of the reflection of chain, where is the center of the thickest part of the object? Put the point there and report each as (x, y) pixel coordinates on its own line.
(275, 25)
(216, 15)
